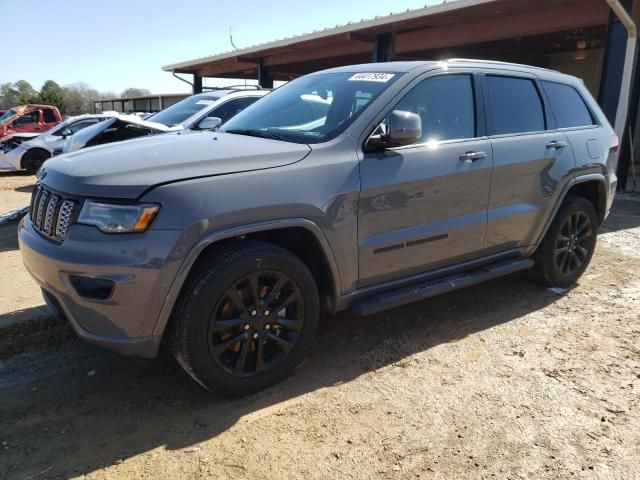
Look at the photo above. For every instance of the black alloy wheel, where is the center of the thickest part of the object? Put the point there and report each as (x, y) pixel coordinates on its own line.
(573, 243)
(256, 323)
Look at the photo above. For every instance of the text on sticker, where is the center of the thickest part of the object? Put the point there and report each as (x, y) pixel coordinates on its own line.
(372, 77)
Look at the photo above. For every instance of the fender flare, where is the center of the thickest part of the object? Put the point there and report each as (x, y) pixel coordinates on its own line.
(190, 258)
(589, 177)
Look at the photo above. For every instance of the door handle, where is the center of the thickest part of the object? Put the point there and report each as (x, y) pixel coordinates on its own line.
(471, 157)
(556, 145)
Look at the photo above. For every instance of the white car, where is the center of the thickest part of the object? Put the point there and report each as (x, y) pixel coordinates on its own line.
(222, 103)
(27, 151)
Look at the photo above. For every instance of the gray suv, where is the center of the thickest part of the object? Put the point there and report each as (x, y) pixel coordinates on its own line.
(363, 187)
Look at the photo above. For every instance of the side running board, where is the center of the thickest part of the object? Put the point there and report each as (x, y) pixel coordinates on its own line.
(420, 291)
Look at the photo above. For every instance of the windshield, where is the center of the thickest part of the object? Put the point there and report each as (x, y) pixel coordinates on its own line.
(311, 109)
(179, 112)
(7, 115)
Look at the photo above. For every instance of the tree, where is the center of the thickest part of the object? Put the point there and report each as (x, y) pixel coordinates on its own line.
(135, 92)
(52, 94)
(26, 93)
(79, 98)
(17, 93)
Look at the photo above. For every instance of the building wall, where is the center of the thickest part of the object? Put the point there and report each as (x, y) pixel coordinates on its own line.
(589, 69)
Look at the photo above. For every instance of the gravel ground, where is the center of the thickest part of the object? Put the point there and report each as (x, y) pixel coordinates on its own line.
(501, 380)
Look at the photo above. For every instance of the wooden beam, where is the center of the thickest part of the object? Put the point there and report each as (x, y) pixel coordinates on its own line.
(635, 12)
(298, 56)
(581, 14)
(361, 37)
(216, 69)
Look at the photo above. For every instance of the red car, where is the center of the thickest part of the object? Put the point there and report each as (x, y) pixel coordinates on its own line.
(29, 119)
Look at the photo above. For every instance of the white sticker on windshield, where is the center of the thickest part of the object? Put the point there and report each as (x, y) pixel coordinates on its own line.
(372, 77)
(204, 102)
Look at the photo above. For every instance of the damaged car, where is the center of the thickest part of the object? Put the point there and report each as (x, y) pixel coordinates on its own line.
(115, 129)
(28, 151)
(30, 118)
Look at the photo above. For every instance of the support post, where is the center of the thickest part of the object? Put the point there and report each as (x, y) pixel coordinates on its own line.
(265, 79)
(383, 48)
(197, 83)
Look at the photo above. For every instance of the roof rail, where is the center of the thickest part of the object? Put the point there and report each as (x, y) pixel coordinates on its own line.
(234, 87)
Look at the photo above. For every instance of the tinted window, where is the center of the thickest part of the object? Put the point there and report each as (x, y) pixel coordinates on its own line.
(568, 106)
(28, 118)
(231, 108)
(515, 105)
(445, 105)
(49, 116)
(76, 127)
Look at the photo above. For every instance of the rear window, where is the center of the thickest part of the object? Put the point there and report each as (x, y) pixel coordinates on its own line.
(516, 106)
(48, 116)
(567, 105)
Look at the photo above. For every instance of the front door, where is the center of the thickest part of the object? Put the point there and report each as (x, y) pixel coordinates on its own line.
(424, 206)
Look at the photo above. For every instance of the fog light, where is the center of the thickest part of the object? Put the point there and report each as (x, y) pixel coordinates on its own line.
(93, 288)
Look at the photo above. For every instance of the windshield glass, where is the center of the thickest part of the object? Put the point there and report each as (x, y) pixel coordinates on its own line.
(7, 115)
(179, 112)
(311, 109)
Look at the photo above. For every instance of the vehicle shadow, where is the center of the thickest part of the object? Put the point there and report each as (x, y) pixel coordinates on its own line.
(12, 173)
(25, 189)
(101, 408)
(625, 214)
(9, 236)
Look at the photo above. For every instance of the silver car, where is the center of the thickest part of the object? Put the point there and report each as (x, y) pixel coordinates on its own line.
(363, 187)
(26, 151)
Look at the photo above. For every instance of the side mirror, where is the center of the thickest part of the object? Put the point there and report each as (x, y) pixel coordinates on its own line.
(209, 123)
(66, 133)
(405, 128)
(401, 128)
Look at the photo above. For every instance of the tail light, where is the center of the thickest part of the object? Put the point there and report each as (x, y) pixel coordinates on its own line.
(616, 143)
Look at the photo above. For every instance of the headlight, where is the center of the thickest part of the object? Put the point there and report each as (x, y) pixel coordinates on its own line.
(116, 218)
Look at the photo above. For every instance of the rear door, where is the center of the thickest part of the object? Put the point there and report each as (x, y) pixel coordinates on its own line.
(531, 159)
(49, 118)
(578, 122)
(424, 206)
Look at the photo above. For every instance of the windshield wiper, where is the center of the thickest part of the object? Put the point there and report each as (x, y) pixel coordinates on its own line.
(254, 133)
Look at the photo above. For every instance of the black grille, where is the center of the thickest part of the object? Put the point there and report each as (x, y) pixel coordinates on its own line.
(51, 213)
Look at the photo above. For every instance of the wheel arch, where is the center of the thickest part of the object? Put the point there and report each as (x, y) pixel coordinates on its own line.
(31, 151)
(275, 232)
(592, 186)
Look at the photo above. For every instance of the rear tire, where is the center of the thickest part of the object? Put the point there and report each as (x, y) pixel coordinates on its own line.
(245, 318)
(568, 246)
(33, 159)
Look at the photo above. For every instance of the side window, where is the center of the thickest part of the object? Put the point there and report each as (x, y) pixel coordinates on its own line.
(28, 118)
(445, 105)
(568, 106)
(77, 126)
(515, 105)
(48, 116)
(231, 108)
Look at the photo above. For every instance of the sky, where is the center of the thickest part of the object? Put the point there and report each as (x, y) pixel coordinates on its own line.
(116, 44)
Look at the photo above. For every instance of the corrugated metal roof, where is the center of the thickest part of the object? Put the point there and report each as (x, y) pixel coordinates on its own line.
(377, 21)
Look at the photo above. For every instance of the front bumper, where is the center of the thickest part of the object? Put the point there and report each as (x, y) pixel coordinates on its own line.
(138, 265)
(12, 159)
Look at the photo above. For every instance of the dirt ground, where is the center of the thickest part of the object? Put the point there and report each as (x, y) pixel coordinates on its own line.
(502, 380)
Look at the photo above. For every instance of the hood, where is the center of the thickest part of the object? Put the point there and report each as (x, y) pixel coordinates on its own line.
(127, 169)
(84, 136)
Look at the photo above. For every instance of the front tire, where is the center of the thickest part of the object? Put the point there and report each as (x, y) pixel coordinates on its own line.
(33, 159)
(568, 246)
(245, 318)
